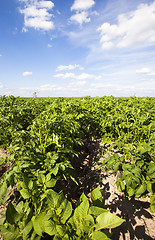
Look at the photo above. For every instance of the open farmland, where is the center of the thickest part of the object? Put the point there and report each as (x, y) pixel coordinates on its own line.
(61, 157)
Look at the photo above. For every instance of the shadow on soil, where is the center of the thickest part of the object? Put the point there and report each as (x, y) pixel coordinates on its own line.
(132, 211)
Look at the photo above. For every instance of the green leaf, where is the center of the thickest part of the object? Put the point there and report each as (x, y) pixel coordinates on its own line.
(82, 198)
(96, 211)
(30, 185)
(151, 168)
(27, 230)
(50, 227)
(60, 203)
(152, 207)
(57, 237)
(48, 177)
(140, 190)
(67, 206)
(149, 187)
(12, 216)
(88, 223)
(120, 185)
(110, 162)
(52, 198)
(108, 220)
(2, 219)
(20, 206)
(96, 195)
(51, 183)
(99, 236)
(61, 229)
(130, 191)
(81, 212)
(136, 171)
(152, 176)
(3, 188)
(127, 166)
(10, 233)
(55, 170)
(152, 199)
(66, 237)
(116, 166)
(39, 222)
(41, 178)
(34, 236)
(37, 226)
(25, 193)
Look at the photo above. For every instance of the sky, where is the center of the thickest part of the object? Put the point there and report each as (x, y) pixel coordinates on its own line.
(77, 48)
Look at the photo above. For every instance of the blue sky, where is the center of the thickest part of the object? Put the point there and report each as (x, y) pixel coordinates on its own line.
(77, 47)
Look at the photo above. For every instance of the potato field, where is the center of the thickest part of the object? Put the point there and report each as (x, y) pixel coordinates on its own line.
(57, 153)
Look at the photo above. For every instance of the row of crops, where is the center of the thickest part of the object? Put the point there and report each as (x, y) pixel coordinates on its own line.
(42, 135)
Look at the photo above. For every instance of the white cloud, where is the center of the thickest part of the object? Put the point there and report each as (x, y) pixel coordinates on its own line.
(45, 4)
(68, 67)
(82, 76)
(81, 9)
(82, 5)
(107, 45)
(27, 74)
(81, 17)
(145, 71)
(49, 45)
(36, 15)
(0, 55)
(134, 28)
(87, 76)
(65, 75)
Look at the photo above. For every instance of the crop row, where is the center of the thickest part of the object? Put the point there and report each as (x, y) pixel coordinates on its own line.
(42, 134)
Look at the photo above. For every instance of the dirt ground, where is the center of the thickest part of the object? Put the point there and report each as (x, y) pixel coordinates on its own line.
(139, 221)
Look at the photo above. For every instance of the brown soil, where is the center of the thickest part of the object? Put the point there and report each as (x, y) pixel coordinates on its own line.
(139, 221)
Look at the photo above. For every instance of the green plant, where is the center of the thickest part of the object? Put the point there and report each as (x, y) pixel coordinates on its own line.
(57, 218)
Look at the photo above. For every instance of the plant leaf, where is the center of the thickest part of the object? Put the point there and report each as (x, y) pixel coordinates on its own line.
(140, 190)
(66, 212)
(96, 195)
(108, 220)
(50, 227)
(12, 216)
(25, 193)
(96, 211)
(99, 236)
(10, 233)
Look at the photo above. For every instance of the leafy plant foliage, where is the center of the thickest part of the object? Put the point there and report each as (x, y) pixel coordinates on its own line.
(41, 136)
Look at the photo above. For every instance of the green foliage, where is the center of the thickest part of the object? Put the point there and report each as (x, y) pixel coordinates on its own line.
(43, 134)
(57, 218)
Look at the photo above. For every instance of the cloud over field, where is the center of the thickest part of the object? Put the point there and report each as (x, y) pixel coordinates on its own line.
(81, 76)
(136, 28)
